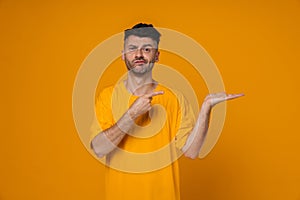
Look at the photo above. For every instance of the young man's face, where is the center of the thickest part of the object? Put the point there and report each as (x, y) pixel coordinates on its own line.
(140, 54)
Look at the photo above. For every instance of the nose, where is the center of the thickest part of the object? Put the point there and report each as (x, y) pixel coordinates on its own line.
(139, 53)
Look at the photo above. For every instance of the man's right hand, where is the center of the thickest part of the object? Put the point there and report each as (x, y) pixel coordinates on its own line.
(142, 104)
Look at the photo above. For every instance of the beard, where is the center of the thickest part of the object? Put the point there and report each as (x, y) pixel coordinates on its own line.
(139, 68)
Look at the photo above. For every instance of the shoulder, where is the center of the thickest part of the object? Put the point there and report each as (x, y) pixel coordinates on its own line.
(167, 91)
(104, 94)
(170, 93)
(171, 97)
(117, 91)
(107, 90)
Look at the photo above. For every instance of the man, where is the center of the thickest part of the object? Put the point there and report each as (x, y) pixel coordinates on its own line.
(133, 124)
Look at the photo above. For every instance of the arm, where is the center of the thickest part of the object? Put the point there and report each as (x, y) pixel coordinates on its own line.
(107, 140)
(197, 136)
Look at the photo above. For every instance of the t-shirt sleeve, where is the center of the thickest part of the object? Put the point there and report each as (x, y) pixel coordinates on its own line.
(185, 121)
(104, 118)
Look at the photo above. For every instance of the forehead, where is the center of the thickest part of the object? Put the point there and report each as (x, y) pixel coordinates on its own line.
(140, 41)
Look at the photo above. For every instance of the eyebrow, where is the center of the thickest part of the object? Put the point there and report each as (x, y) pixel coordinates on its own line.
(145, 45)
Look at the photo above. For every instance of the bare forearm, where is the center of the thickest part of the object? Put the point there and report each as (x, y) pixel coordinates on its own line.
(197, 136)
(196, 139)
(108, 140)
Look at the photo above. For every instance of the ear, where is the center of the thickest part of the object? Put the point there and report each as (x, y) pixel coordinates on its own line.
(157, 56)
(123, 55)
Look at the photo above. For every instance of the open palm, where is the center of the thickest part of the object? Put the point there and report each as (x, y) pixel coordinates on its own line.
(215, 98)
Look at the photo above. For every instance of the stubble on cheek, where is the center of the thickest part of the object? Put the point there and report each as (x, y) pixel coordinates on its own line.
(130, 65)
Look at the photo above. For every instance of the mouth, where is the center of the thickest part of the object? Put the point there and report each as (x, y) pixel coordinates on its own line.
(138, 62)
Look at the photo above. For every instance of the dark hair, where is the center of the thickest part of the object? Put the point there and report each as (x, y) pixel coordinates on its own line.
(143, 30)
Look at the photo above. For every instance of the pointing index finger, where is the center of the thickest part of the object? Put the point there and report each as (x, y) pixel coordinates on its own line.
(155, 93)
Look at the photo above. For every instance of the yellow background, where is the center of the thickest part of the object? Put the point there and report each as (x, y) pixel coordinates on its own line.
(255, 45)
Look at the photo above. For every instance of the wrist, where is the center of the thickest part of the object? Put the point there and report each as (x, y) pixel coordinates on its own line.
(206, 107)
(125, 123)
(131, 114)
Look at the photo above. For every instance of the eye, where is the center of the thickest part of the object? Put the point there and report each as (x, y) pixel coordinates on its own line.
(147, 49)
(131, 49)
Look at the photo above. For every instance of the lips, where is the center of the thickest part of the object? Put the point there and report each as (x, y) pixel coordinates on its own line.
(139, 62)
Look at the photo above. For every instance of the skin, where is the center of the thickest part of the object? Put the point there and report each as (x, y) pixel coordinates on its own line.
(140, 54)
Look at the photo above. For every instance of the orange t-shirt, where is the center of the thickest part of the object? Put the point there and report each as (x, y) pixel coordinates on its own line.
(145, 166)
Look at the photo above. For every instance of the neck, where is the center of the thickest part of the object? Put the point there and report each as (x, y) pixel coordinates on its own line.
(140, 85)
